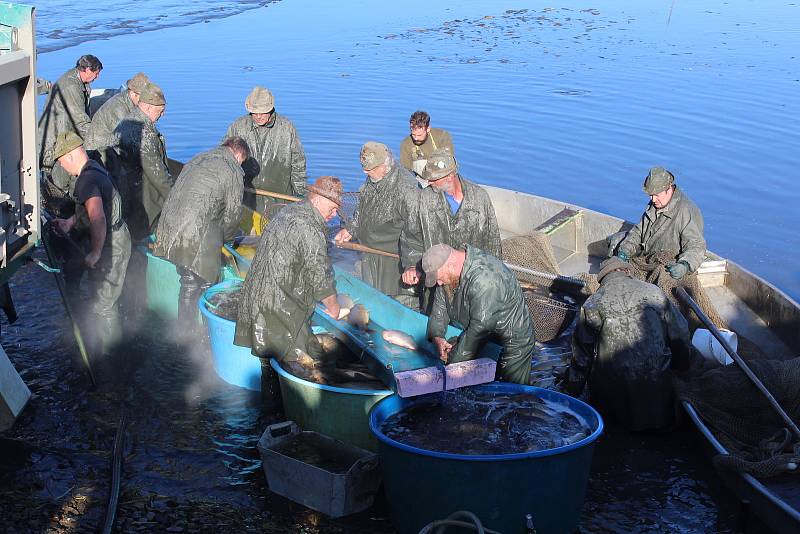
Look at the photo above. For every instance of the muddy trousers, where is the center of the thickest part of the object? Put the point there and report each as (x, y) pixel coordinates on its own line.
(106, 282)
(192, 288)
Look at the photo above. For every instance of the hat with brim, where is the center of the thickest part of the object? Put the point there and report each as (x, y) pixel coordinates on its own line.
(610, 265)
(433, 260)
(153, 95)
(373, 154)
(440, 164)
(260, 100)
(658, 179)
(329, 187)
(66, 142)
(138, 82)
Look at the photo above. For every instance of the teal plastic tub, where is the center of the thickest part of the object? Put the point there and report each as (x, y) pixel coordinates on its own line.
(163, 286)
(423, 486)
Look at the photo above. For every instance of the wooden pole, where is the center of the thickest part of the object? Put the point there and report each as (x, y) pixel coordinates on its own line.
(279, 196)
(364, 248)
(685, 297)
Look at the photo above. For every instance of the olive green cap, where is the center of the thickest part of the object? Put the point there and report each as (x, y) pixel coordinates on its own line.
(329, 187)
(610, 265)
(373, 154)
(66, 142)
(137, 83)
(433, 260)
(260, 100)
(658, 179)
(153, 95)
(440, 164)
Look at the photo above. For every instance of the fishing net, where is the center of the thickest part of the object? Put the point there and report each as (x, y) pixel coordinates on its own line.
(349, 205)
(741, 418)
(652, 269)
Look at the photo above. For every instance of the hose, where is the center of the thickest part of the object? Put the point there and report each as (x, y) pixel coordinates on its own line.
(453, 520)
(116, 476)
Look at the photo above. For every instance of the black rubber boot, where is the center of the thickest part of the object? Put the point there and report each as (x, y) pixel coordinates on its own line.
(192, 288)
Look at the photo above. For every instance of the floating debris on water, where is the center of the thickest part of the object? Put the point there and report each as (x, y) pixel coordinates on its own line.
(478, 422)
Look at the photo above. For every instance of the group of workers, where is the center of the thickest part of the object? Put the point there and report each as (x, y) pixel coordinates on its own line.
(108, 184)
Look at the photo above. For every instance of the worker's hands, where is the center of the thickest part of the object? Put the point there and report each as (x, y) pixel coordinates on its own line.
(443, 347)
(678, 269)
(621, 254)
(91, 259)
(411, 276)
(331, 306)
(64, 225)
(342, 236)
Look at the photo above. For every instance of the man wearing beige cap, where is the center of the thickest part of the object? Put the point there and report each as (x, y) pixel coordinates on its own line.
(453, 211)
(113, 111)
(140, 163)
(290, 273)
(98, 213)
(277, 162)
(478, 294)
(386, 200)
(671, 222)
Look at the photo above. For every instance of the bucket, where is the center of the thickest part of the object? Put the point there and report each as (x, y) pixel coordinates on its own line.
(234, 364)
(711, 349)
(423, 486)
(163, 287)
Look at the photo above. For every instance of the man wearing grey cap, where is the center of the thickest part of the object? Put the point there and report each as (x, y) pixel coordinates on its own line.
(478, 294)
(671, 222)
(113, 111)
(453, 211)
(277, 162)
(386, 200)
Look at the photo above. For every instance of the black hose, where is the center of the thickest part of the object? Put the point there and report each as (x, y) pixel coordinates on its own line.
(116, 476)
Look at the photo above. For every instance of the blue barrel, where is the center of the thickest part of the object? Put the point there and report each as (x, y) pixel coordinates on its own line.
(234, 364)
(422, 486)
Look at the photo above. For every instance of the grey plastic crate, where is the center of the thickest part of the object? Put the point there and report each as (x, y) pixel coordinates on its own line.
(318, 471)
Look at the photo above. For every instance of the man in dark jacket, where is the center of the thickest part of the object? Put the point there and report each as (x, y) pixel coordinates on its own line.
(140, 166)
(202, 211)
(478, 294)
(628, 338)
(671, 222)
(277, 161)
(385, 202)
(113, 110)
(98, 212)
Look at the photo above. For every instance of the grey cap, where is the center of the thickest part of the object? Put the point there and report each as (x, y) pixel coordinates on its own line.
(610, 265)
(66, 142)
(440, 164)
(260, 100)
(138, 82)
(658, 179)
(432, 261)
(153, 95)
(373, 154)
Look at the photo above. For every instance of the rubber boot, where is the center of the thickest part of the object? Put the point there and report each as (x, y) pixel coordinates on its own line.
(192, 288)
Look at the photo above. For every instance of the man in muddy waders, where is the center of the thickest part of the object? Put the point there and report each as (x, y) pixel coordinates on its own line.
(671, 222)
(202, 211)
(453, 211)
(417, 147)
(113, 110)
(629, 337)
(479, 294)
(98, 213)
(386, 200)
(66, 109)
(290, 273)
(277, 162)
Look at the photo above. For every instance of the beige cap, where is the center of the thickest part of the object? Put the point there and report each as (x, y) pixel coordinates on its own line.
(658, 179)
(440, 164)
(329, 187)
(66, 142)
(260, 100)
(432, 261)
(373, 154)
(137, 83)
(153, 95)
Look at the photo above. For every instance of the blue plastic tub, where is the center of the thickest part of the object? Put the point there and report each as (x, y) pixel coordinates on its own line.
(422, 486)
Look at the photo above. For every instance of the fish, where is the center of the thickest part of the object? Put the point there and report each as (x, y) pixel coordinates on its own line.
(345, 304)
(401, 339)
(330, 343)
(358, 316)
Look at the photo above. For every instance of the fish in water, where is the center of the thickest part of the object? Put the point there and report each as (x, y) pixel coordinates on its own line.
(345, 304)
(401, 339)
(358, 316)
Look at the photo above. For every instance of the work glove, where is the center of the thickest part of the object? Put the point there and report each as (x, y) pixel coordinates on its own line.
(678, 269)
(621, 254)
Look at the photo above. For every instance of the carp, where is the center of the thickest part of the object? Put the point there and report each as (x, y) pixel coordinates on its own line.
(401, 339)
(358, 316)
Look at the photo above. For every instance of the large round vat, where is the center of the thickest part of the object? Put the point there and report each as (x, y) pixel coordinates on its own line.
(163, 287)
(341, 413)
(423, 486)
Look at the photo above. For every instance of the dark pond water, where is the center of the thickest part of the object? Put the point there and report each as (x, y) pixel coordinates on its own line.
(574, 101)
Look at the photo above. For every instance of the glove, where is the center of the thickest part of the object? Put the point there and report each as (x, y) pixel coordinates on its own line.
(621, 254)
(678, 269)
